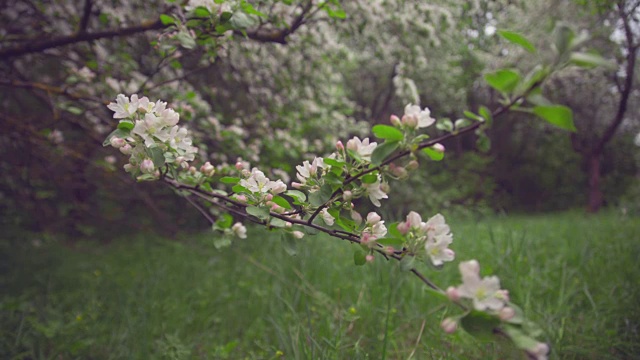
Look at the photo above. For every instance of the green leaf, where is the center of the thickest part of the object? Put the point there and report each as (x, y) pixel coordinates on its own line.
(557, 115)
(406, 264)
(390, 241)
(279, 223)
(383, 151)
(519, 338)
(472, 116)
(281, 201)
(517, 39)
(503, 80)
(117, 132)
(225, 221)
(486, 115)
(480, 325)
(321, 196)
(241, 21)
(359, 257)
(387, 132)
(370, 178)
(393, 230)
(333, 179)
(333, 162)
(126, 125)
(260, 213)
(186, 40)
(157, 156)
(240, 189)
(167, 20)
(445, 125)
(249, 9)
(564, 38)
(433, 154)
(222, 242)
(229, 180)
(290, 244)
(589, 60)
(483, 143)
(201, 12)
(298, 195)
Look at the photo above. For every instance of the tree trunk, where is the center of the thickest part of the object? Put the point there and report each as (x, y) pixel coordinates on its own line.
(595, 193)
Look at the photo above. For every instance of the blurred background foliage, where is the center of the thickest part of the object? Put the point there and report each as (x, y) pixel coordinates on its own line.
(273, 101)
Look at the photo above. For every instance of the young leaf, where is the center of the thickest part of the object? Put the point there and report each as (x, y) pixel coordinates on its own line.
(390, 241)
(406, 264)
(359, 257)
(558, 115)
(260, 213)
(157, 156)
(480, 325)
(281, 201)
(517, 39)
(382, 151)
(433, 154)
(229, 180)
(387, 132)
(290, 245)
(588, 60)
(117, 132)
(167, 20)
(504, 80)
(298, 195)
(125, 125)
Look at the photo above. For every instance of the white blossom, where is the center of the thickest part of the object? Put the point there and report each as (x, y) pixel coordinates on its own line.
(239, 230)
(485, 292)
(416, 118)
(375, 193)
(362, 147)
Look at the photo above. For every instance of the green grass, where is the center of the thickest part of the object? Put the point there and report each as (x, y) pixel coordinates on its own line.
(577, 276)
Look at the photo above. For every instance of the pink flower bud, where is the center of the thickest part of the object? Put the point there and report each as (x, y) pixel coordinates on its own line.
(347, 195)
(146, 166)
(385, 188)
(438, 147)
(339, 146)
(503, 295)
(239, 165)
(208, 169)
(507, 313)
(373, 218)
(389, 250)
(241, 198)
(110, 159)
(352, 145)
(356, 217)
(126, 149)
(539, 351)
(398, 171)
(277, 208)
(246, 173)
(449, 325)
(288, 224)
(193, 170)
(117, 142)
(296, 185)
(369, 258)
(410, 121)
(404, 227)
(412, 165)
(298, 234)
(453, 294)
(395, 121)
(366, 237)
(268, 197)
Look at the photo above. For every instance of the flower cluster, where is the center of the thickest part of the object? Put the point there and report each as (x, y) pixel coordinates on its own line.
(485, 293)
(149, 134)
(434, 235)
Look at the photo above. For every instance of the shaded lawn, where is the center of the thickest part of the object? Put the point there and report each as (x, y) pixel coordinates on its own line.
(145, 297)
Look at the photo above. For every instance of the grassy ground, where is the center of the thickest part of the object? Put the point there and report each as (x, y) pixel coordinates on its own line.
(139, 298)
